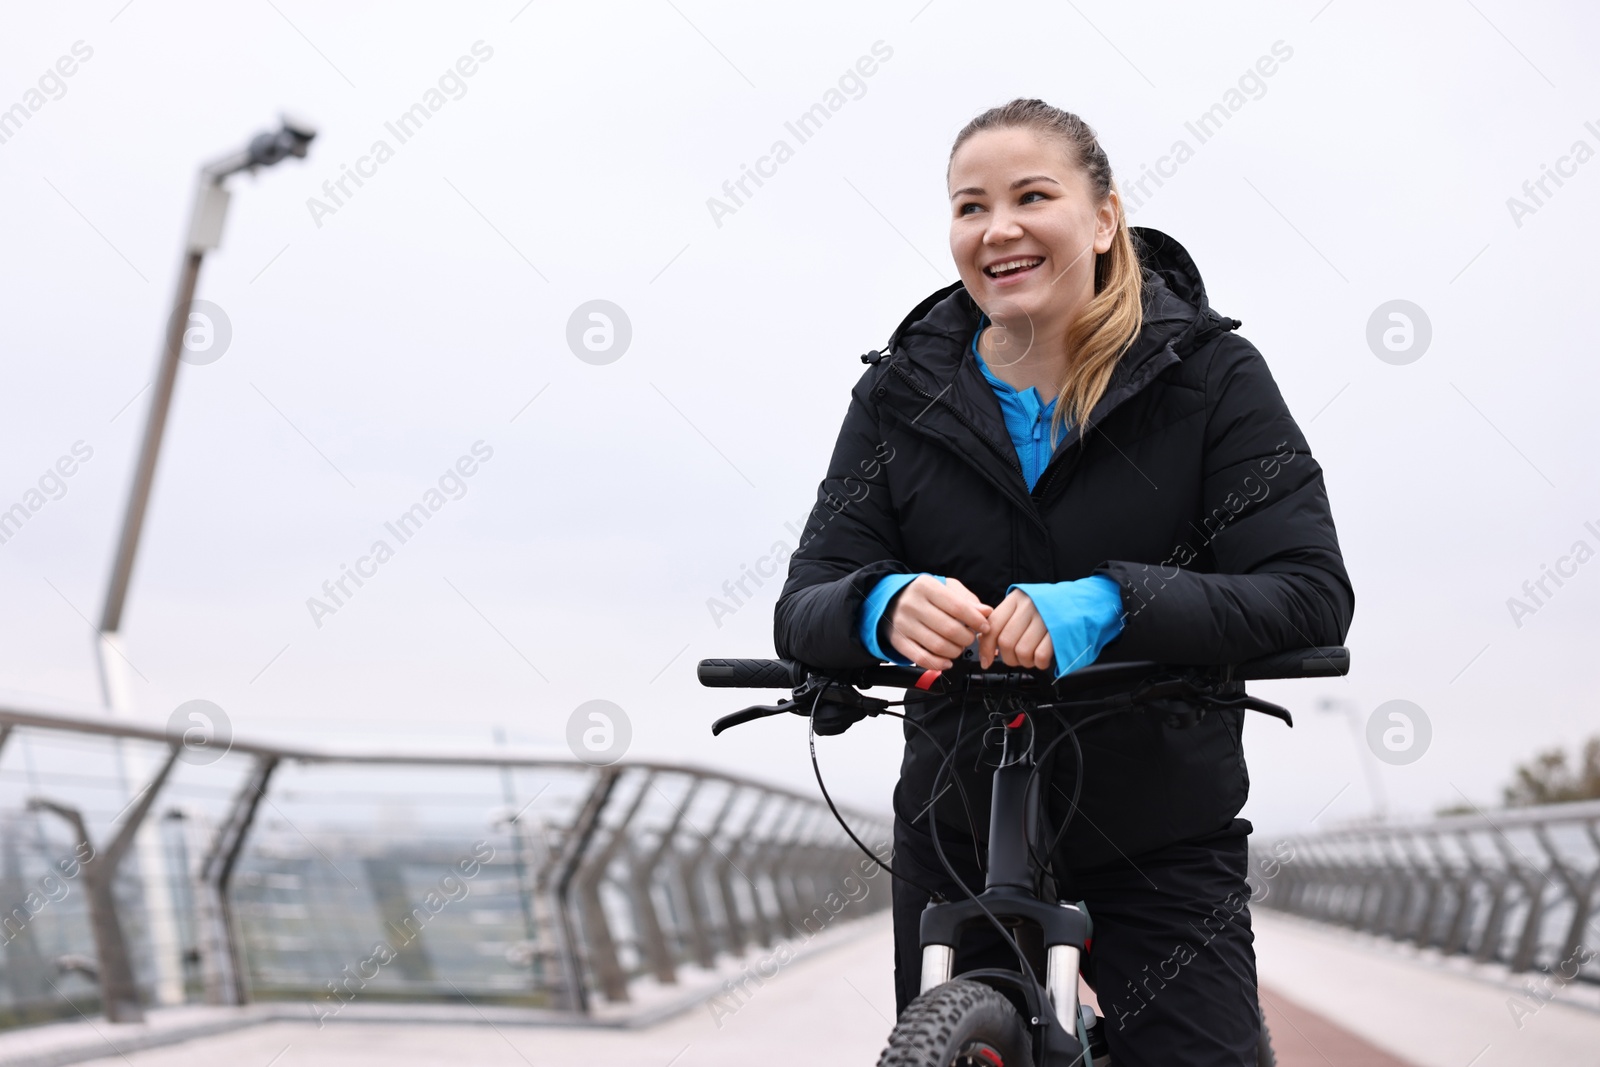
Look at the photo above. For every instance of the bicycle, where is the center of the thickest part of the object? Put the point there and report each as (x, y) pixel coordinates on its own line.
(993, 1017)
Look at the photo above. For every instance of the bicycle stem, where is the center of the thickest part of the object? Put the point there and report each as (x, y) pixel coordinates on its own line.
(1014, 804)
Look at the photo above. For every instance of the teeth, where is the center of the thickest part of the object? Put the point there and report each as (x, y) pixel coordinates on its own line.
(1012, 265)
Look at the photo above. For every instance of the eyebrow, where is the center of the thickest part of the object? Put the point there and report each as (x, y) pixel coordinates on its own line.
(1018, 184)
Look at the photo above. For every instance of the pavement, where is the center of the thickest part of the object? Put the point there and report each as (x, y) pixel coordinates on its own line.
(836, 1005)
(1417, 1008)
(1333, 999)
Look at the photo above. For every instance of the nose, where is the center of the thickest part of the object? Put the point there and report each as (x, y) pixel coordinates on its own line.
(1003, 227)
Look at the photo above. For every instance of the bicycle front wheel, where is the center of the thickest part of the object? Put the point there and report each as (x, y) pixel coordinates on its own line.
(959, 1024)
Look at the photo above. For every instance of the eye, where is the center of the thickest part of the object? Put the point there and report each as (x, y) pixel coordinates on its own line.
(962, 210)
(1023, 199)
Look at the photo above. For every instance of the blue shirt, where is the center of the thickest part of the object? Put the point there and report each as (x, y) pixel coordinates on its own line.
(1081, 616)
(1026, 415)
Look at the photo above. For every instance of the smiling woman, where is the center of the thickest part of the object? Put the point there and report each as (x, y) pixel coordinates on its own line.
(1060, 418)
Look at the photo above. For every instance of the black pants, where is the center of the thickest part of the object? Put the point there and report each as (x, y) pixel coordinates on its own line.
(1172, 958)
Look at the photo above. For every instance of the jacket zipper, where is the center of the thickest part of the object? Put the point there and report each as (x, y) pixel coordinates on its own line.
(1051, 468)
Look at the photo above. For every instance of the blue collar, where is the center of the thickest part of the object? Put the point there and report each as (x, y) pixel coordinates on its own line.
(1030, 396)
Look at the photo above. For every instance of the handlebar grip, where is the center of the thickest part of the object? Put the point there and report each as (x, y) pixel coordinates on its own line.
(1329, 662)
(750, 673)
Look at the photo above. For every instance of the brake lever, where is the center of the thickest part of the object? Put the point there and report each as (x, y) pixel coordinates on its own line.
(1207, 696)
(1265, 707)
(845, 700)
(1245, 702)
(752, 713)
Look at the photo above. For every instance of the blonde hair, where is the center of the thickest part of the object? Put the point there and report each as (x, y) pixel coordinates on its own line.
(1106, 326)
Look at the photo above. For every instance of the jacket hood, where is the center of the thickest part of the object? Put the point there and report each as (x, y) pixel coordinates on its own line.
(1177, 313)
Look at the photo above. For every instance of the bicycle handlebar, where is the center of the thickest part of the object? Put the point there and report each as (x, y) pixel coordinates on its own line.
(1328, 662)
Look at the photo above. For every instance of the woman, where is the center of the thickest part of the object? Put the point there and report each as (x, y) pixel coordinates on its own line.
(1068, 456)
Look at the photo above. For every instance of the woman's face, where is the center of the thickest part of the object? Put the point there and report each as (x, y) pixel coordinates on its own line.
(1016, 197)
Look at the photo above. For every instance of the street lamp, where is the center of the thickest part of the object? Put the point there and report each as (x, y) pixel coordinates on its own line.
(1364, 755)
(291, 138)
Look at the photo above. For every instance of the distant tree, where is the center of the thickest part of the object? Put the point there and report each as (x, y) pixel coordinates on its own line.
(1549, 779)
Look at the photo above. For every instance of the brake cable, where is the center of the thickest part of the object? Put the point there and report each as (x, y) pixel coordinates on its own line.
(816, 768)
(938, 847)
(1135, 699)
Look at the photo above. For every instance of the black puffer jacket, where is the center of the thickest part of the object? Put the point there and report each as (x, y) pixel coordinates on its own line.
(1193, 488)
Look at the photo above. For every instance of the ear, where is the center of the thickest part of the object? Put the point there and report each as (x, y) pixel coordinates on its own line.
(1106, 221)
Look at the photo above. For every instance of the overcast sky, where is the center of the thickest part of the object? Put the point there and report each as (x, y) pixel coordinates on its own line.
(379, 337)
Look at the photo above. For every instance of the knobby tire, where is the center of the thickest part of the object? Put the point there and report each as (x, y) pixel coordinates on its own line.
(959, 1024)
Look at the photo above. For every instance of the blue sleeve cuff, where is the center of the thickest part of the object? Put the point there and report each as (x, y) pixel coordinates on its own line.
(1082, 617)
(872, 614)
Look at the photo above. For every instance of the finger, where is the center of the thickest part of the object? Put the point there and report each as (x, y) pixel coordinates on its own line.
(1005, 618)
(1028, 644)
(932, 640)
(1001, 612)
(904, 636)
(1045, 655)
(961, 603)
(1011, 634)
(1017, 601)
(935, 619)
(917, 654)
(989, 638)
(988, 641)
(945, 625)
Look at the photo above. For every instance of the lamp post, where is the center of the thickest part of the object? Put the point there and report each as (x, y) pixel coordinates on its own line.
(291, 138)
(1364, 755)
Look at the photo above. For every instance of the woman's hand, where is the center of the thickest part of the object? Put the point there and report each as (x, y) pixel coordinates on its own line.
(932, 622)
(1018, 632)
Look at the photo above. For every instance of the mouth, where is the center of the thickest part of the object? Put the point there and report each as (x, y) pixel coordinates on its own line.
(1015, 267)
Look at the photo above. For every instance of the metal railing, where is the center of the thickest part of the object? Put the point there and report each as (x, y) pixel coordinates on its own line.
(1517, 887)
(328, 876)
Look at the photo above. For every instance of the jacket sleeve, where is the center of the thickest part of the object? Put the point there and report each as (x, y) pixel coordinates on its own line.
(851, 540)
(1261, 571)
